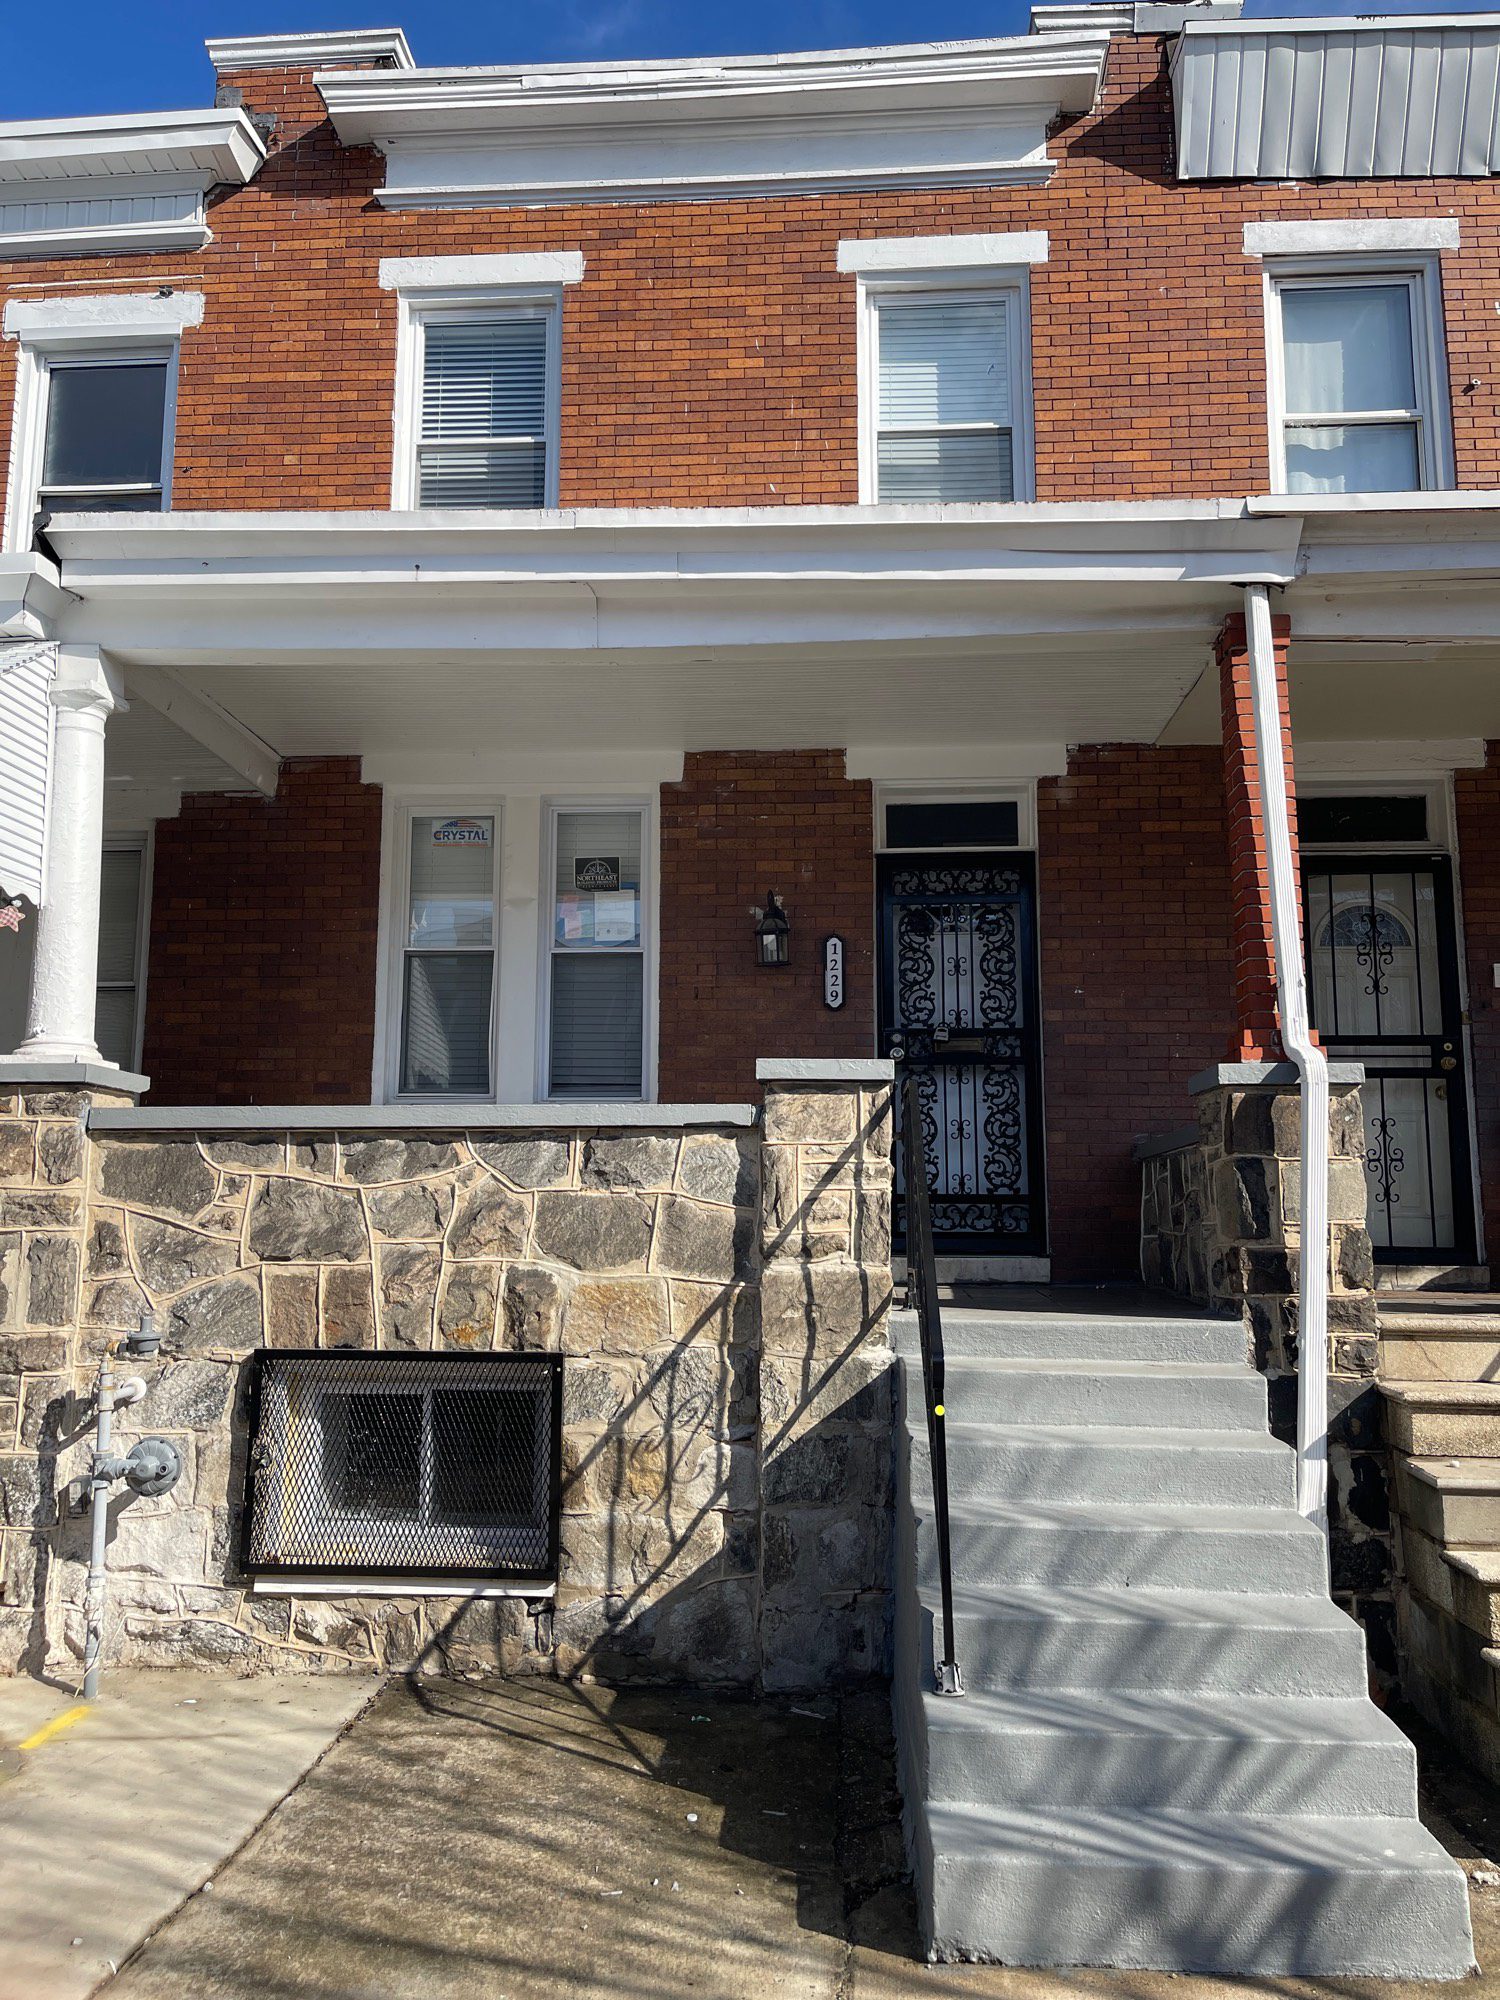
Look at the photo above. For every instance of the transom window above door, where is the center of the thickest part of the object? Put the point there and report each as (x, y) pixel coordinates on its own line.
(1354, 388)
(945, 396)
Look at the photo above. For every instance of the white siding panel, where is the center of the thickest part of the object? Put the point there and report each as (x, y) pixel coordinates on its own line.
(1360, 100)
(25, 766)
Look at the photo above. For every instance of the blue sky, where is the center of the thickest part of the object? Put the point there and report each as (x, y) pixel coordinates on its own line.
(102, 55)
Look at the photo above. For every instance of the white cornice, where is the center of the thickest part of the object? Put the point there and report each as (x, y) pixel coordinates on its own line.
(205, 146)
(929, 114)
(231, 53)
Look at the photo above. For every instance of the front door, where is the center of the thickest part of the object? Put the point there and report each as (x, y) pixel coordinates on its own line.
(959, 998)
(1384, 991)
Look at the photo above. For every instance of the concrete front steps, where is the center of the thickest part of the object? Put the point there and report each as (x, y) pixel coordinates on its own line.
(1166, 1758)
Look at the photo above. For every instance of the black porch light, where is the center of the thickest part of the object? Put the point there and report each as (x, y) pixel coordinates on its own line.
(773, 933)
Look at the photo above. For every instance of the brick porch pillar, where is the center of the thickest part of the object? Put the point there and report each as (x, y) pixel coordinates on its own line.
(1255, 1036)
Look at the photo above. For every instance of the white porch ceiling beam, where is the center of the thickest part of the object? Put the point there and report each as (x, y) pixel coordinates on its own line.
(198, 716)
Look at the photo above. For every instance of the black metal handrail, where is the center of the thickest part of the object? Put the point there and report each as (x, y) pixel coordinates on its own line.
(922, 1298)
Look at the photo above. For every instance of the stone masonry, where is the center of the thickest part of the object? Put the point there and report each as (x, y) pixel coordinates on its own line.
(1219, 1225)
(719, 1295)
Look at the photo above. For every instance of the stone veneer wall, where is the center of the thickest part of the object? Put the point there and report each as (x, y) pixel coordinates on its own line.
(726, 1420)
(1219, 1224)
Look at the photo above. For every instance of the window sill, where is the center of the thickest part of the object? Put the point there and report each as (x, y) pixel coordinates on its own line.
(385, 1586)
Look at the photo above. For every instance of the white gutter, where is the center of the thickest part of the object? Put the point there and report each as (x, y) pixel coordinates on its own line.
(1310, 1061)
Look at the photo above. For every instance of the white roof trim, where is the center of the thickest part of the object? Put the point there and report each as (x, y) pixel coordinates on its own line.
(206, 147)
(315, 51)
(104, 315)
(942, 253)
(1360, 235)
(954, 114)
(523, 267)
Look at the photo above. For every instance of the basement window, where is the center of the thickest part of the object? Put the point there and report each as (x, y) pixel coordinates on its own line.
(415, 1465)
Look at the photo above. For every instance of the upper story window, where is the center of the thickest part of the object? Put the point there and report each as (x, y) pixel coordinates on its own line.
(95, 404)
(946, 381)
(1355, 390)
(105, 436)
(486, 414)
(478, 377)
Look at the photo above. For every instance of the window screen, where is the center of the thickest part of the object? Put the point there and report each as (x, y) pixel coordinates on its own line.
(597, 960)
(116, 1008)
(1386, 819)
(102, 450)
(448, 959)
(1353, 405)
(944, 422)
(404, 1465)
(482, 438)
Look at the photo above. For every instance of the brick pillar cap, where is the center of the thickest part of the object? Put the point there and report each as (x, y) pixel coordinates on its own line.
(825, 1069)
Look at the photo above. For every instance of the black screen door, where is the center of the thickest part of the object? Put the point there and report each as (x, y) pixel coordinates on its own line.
(959, 997)
(1383, 985)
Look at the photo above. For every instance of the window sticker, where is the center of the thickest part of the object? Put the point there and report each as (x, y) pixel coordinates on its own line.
(461, 833)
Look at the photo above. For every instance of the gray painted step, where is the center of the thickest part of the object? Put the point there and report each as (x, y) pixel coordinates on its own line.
(1203, 1395)
(1268, 1549)
(1116, 1751)
(1191, 1642)
(1062, 1336)
(1197, 1892)
(1119, 1464)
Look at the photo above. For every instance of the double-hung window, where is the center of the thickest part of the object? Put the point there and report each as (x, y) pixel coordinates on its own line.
(596, 957)
(945, 383)
(485, 406)
(1354, 385)
(105, 434)
(447, 970)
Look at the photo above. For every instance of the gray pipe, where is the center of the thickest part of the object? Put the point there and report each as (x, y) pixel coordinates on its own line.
(99, 1484)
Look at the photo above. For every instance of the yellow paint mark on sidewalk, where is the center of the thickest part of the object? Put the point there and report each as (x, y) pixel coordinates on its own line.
(55, 1727)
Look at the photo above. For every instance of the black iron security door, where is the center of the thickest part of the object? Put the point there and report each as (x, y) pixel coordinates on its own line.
(959, 998)
(1383, 971)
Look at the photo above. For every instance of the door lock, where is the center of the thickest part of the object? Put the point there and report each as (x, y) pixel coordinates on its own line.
(1447, 1062)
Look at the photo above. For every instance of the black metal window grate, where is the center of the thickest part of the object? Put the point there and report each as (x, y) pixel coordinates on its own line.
(397, 1465)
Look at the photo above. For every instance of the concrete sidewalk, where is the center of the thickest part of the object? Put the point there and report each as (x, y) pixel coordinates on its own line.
(528, 1841)
(110, 1816)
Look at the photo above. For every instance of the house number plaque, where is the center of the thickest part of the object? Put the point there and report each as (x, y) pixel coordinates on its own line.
(833, 972)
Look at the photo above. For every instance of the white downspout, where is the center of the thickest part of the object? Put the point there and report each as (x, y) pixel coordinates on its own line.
(1310, 1061)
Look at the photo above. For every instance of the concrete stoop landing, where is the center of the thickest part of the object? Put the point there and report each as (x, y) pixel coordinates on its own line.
(1166, 1758)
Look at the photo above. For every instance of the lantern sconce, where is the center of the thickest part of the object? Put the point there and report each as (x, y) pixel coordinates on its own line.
(773, 933)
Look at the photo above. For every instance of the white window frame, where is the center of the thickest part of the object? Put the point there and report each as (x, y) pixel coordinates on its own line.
(1011, 287)
(390, 996)
(419, 309)
(144, 845)
(35, 362)
(1022, 797)
(1423, 282)
(552, 809)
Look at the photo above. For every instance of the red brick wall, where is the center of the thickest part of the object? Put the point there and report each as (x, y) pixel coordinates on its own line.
(1477, 800)
(709, 354)
(1137, 978)
(261, 974)
(737, 825)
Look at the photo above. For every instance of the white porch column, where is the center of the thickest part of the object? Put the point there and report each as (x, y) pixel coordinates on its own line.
(65, 961)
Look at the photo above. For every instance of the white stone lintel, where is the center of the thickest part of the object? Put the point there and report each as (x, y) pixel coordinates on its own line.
(1353, 235)
(456, 274)
(943, 253)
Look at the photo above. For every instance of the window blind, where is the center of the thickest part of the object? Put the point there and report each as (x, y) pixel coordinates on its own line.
(448, 982)
(944, 417)
(483, 424)
(597, 998)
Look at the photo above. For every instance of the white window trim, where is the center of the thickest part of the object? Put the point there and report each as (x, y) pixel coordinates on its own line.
(395, 869)
(35, 360)
(417, 307)
(650, 953)
(1421, 276)
(143, 844)
(1011, 283)
(1022, 796)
